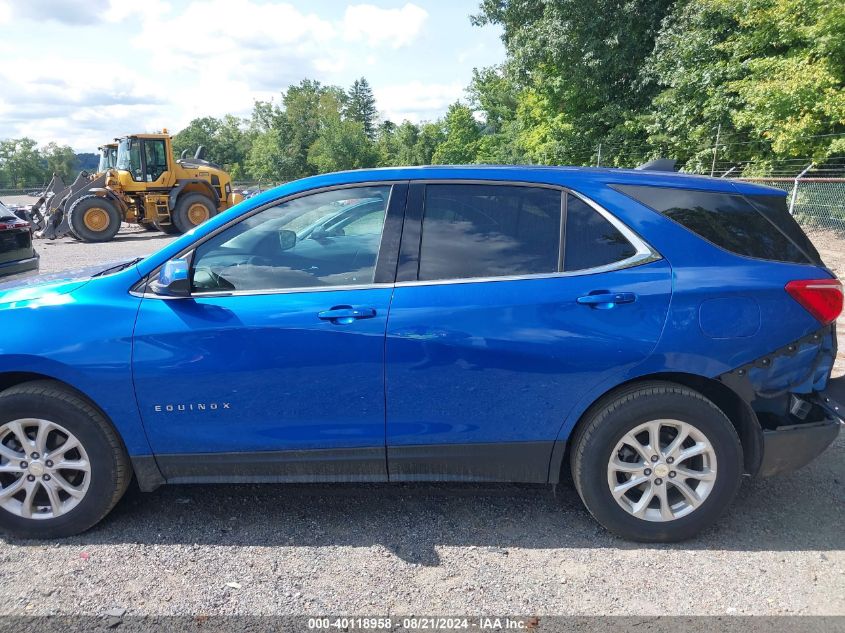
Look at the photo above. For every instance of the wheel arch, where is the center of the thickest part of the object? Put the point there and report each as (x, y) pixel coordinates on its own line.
(738, 411)
(143, 466)
(188, 186)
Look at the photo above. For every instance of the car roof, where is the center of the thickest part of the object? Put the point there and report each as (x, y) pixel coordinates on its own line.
(564, 176)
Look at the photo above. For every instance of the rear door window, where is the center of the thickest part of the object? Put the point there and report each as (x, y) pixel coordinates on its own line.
(591, 240)
(730, 221)
(475, 231)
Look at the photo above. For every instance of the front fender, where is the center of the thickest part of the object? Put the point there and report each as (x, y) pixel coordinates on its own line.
(83, 339)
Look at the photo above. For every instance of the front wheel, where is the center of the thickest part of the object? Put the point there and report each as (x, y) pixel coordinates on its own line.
(94, 219)
(62, 466)
(657, 462)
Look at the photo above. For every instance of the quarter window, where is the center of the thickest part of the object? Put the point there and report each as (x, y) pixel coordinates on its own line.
(325, 239)
(591, 240)
(731, 221)
(472, 231)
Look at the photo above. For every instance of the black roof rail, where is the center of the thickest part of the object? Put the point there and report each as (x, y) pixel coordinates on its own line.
(658, 164)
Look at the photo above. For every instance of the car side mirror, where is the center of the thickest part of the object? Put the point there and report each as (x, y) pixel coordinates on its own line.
(287, 239)
(173, 279)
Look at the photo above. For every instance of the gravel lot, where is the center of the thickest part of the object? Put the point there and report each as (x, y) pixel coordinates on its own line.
(426, 549)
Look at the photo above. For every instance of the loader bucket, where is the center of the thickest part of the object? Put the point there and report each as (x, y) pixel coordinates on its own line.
(38, 211)
(57, 217)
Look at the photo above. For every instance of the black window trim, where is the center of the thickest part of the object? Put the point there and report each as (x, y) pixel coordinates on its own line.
(386, 259)
(409, 257)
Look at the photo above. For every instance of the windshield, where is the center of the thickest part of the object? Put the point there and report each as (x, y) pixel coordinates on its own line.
(129, 157)
(108, 158)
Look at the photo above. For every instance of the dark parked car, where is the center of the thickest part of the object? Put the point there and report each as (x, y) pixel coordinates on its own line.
(651, 336)
(17, 254)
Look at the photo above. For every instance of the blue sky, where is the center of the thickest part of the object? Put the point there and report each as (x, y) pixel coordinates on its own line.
(80, 72)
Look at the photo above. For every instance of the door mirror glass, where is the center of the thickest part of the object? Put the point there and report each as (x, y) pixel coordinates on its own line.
(287, 239)
(173, 279)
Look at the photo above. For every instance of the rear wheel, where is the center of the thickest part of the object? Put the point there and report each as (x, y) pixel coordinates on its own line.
(192, 210)
(657, 462)
(94, 219)
(170, 229)
(62, 466)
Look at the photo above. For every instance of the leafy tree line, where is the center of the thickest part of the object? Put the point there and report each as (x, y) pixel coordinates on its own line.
(317, 128)
(24, 164)
(606, 81)
(584, 82)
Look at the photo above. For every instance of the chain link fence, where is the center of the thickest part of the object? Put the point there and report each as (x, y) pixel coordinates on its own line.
(817, 203)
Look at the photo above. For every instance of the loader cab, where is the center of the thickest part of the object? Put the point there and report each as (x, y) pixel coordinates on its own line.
(144, 158)
(108, 157)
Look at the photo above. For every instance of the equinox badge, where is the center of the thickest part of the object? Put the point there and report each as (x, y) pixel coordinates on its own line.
(193, 406)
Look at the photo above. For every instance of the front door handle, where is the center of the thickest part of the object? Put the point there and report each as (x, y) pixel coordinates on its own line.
(606, 300)
(344, 315)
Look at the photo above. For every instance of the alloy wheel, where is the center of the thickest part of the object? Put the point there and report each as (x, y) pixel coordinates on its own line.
(44, 469)
(662, 470)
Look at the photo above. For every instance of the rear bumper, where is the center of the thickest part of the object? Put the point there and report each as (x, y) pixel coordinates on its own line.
(789, 448)
(19, 267)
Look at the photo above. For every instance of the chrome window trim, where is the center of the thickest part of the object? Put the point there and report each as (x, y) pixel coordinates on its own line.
(261, 293)
(635, 260)
(644, 253)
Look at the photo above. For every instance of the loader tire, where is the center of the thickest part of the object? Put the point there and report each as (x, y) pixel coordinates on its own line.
(192, 210)
(169, 229)
(94, 219)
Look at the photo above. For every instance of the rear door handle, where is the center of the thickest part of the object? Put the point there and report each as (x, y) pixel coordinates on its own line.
(606, 300)
(344, 315)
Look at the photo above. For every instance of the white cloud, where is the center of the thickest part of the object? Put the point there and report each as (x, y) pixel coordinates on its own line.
(376, 26)
(416, 101)
(143, 65)
(120, 10)
(227, 53)
(42, 100)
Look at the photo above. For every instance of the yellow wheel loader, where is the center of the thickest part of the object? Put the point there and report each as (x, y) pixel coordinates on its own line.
(146, 186)
(57, 193)
(108, 157)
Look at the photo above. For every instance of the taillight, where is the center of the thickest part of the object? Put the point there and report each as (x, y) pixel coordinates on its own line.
(820, 297)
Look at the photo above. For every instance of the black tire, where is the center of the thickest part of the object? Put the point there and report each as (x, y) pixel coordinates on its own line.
(110, 470)
(103, 223)
(169, 229)
(184, 218)
(604, 426)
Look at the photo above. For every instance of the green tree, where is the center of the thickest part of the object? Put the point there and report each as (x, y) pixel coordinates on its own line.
(202, 131)
(61, 160)
(768, 74)
(307, 106)
(21, 164)
(575, 69)
(226, 142)
(361, 106)
(342, 144)
(463, 134)
(431, 136)
(387, 144)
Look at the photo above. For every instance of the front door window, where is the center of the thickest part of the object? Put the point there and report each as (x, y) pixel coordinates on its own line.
(321, 240)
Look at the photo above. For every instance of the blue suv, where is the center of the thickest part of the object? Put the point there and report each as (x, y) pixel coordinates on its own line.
(652, 336)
